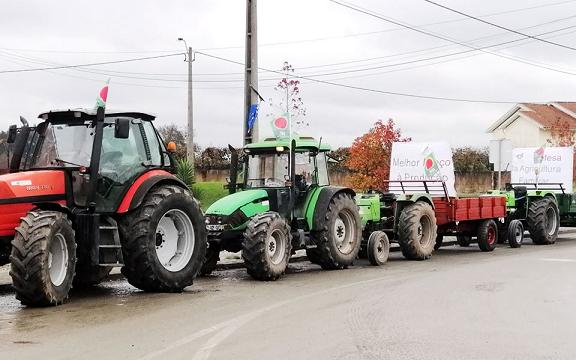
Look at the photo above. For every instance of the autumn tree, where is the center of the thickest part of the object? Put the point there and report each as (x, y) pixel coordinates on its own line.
(562, 134)
(287, 99)
(471, 160)
(339, 159)
(214, 158)
(370, 155)
(171, 132)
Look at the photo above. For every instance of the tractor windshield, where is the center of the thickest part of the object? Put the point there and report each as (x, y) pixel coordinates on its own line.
(272, 169)
(68, 145)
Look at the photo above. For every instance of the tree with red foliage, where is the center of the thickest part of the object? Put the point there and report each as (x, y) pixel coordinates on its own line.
(562, 134)
(370, 156)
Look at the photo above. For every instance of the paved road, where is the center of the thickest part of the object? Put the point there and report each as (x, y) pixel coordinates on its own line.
(462, 304)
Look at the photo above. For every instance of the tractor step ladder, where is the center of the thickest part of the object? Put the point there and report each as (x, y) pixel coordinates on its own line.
(110, 250)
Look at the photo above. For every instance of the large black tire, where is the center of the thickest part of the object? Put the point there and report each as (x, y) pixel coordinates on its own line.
(338, 242)
(39, 279)
(417, 231)
(464, 240)
(378, 248)
(439, 242)
(313, 256)
(487, 235)
(543, 221)
(211, 260)
(267, 246)
(515, 234)
(143, 238)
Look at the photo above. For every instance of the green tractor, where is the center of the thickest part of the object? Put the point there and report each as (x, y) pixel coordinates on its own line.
(535, 207)
(285, 203)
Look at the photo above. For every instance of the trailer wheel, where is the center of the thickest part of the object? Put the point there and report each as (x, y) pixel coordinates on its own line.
(267, 246)
(487, 235)
(439, 242)
(378, 248)
(543, 221)
(417, 231)
(43, 258)
(163, 240)
(515, 234)
(211, 260)
(464, 240)
(339, 242)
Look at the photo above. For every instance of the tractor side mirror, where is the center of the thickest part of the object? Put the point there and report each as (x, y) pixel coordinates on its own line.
(12, 132)
(122, 128)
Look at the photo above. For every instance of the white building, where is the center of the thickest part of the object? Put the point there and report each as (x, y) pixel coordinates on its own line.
(528, 124)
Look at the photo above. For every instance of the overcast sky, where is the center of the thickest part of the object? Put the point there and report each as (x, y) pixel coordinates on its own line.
(312, 35)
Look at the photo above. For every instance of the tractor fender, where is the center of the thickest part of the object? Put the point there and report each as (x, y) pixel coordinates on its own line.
(53, 206)
(140, 188)
(321, 205)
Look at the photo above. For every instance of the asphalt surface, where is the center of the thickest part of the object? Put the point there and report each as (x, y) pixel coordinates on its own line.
(461, 304)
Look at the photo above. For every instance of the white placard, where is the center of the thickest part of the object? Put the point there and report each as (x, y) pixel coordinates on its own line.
(423, 161)
(543, 165)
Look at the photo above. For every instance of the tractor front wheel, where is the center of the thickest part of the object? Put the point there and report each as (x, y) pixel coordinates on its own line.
(164, 241)
(543, 221)
(515, 234)
(338, 243)
(417, 231)
(267, 246)
(211, 260)
(43, 258)
(378, 248)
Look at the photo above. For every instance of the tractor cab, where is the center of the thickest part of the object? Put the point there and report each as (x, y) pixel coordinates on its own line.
(66, 142)
(268, 167)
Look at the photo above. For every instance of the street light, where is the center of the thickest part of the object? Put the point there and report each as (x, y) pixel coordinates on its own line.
(190, 140)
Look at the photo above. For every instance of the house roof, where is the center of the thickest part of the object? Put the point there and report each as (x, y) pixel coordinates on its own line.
(545, 115)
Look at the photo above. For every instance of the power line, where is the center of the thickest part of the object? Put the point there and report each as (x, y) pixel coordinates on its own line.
(89, 64)
(501, 27)
(381, 17)
(369, 89)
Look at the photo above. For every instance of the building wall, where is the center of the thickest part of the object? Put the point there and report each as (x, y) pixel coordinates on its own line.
(522, 133)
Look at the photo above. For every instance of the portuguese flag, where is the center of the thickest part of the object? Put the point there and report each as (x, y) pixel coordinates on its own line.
(102, 96)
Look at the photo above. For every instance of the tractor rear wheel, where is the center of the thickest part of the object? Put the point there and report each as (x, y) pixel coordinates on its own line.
(487, 235)
(43, 258)
(164, 240)
(338, 243)
(543, 221)
(378, 248)
(515, 234)
(211, 260)
(417, 231)
(464, 240)
(267, 246)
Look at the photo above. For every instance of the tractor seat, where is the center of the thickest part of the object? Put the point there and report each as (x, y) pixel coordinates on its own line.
(520, 192)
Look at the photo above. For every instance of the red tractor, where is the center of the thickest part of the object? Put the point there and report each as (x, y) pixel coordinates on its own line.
(90, 191)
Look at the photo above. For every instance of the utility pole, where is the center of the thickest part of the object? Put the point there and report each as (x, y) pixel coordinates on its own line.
(251, 96)
(190, 128)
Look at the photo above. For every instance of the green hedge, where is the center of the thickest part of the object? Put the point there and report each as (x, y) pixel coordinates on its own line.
(208, 192)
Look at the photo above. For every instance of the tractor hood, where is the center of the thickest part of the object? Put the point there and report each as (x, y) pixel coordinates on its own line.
(229, 204)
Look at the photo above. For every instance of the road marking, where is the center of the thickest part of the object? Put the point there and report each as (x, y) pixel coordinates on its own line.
(558, 260)
(227, 328)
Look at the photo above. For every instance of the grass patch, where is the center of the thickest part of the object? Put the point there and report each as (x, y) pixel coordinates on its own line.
(208, 192)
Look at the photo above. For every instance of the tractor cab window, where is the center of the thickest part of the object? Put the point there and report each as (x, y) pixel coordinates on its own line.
(267, 170)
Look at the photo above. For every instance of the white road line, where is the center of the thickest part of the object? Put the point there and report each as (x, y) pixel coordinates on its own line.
(558, 260)
(227, 328)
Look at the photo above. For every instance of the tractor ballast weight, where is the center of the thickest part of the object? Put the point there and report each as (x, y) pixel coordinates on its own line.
(286, 203)
(96, 191)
